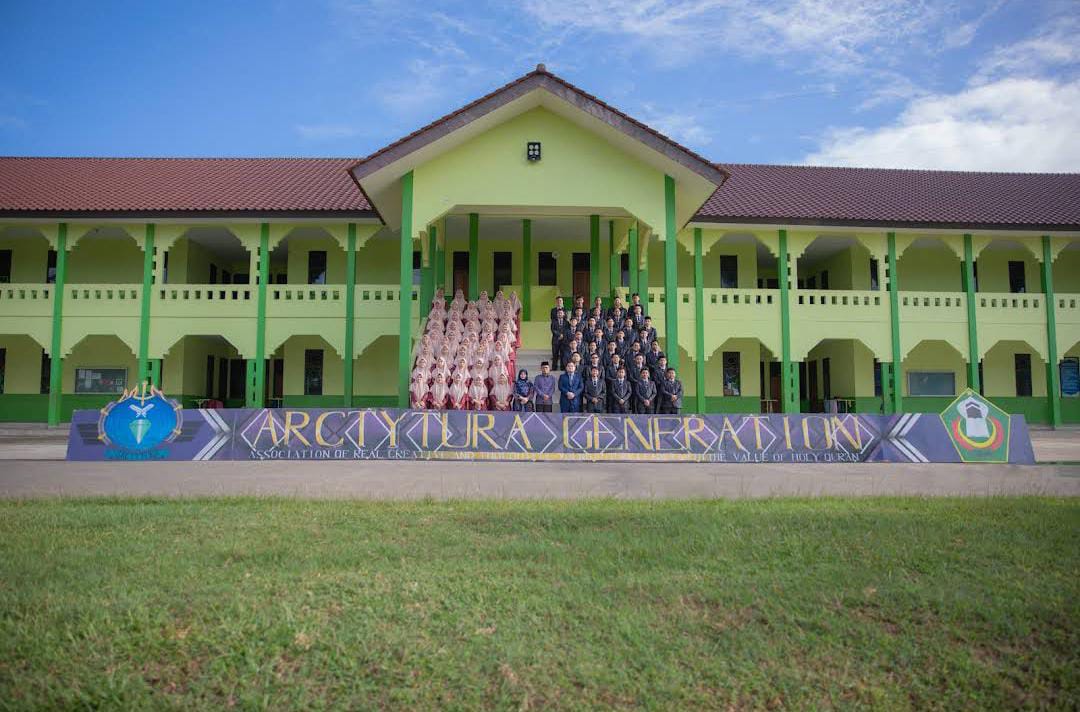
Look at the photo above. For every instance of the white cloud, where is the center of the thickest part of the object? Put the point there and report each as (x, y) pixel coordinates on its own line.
(682, 126)
(1009, 124)
(835, 34)
(1053, 49)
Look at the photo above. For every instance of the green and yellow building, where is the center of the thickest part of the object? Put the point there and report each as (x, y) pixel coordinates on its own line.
(299, 282)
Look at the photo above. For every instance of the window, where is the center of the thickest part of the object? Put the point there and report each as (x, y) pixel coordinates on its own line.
(545, 269)
(772, 283)
(732, 384)
(316, 267)
(241, 278)
(213, 274)
(313, 372)
(1022, 363)
(50, 268)
(5, 266)
(165, 268)
(825, 279)
(279, 278)
(100, 380)
(826, 378)
(811, 283)
(1017, 281)
(729, 271)
(209, 391)
(878, 391)
(237, 376)
(226, 277)
(874, 283)
(624, 269)
(46, 373)
(502, 269)
(417, 261)
(1070, 376)
(931, 383)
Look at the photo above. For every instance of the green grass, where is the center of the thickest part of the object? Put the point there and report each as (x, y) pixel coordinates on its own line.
(884, 603)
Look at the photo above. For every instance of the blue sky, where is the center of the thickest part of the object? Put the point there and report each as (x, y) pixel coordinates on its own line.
(965, 84)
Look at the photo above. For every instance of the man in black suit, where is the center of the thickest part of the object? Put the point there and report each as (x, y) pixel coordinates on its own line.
(671, 393)
(558, 306)
(622, 394)
(645, 394)
(558, 338)
(595, 395)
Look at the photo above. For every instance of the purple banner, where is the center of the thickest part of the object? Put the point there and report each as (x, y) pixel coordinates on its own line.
(154, 428)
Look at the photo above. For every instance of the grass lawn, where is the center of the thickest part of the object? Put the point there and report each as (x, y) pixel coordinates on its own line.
(885, 603)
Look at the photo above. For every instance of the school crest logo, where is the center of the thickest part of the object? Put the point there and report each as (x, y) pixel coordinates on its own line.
(978, 429)
(140, 420)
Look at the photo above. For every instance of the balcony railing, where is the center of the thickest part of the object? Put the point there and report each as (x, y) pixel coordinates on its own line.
(204, 300)
(26, 299)
(102, 300)
(1005, 308)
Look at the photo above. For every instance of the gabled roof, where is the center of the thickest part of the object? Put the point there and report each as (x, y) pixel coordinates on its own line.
(190, 186)
(894, 197)
(539, 78)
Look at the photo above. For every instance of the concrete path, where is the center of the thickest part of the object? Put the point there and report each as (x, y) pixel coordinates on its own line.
(31, 465)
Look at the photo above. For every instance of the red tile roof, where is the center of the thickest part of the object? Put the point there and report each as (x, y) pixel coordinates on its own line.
(183, 185)
(809, 194)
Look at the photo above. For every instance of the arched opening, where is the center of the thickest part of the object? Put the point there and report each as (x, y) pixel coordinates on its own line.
(204, 371)
(307, 255)
(929, 265)
(1069, 375)
(738, 378)
(1007, 266)
(1067, 269)
(207, 255)
(838, 262)
(933, 372)
(1014, 377)
(305, 371)
(25, 257)
(24, 379)
(97, 370)
(105, 255)
(736, 261)
(841, 376)
(375, 373)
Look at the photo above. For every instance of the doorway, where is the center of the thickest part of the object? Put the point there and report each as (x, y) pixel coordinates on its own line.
(581, 270)
(502, 270)
(461, 273)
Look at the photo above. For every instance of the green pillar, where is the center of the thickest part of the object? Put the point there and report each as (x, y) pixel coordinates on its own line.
(643, 275)
(671, 275)
(896, 405)
(260, 326)
(405, 299)
(886, 387)
(699, 323)
(427, 275)
(144, 313)
(474, 256)
(1053, 385)
(155, 371)
(973, 334)
(613, 262)
(350, 315)
(789, 370)
(594, 258)
(526, 270)
(440, 262)
(56, 353)
(634, 258)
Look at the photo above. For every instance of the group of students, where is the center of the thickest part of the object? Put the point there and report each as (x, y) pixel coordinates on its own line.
(611, 361)
(466, 355)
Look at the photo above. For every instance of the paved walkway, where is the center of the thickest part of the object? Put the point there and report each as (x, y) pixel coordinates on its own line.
(31, 465)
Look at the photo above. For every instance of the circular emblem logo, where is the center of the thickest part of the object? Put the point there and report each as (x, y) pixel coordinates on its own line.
(140, 420)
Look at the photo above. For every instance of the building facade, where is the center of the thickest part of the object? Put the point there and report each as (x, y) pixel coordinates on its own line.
(299, 282)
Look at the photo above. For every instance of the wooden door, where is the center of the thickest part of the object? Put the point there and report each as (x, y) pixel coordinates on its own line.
(461, 273)
(581, 272)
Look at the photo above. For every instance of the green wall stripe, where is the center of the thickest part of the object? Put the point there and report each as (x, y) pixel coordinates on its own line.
(699, 322)
(350, 314)
(526, 270)
(1053, 386)
(789, 371)
(260, 325)
(405, 298)
(671, 275)
(56, 363)
(144, 307)
(635, 259)
(613, 261)
(594, 258)
(896, 401)
(973, 334)
(474, 255)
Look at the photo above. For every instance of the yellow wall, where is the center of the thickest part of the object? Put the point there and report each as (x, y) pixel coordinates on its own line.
(929, 269)
(99, 352)
(22, 370)
(999, 370)
(935, 356)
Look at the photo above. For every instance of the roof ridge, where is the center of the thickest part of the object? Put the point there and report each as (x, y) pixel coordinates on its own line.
(951, 171)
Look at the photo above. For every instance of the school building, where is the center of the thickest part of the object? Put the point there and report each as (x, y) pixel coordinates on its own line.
(300, 282)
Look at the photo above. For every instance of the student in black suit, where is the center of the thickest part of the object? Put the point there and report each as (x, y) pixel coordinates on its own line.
(558, 306)
(671, 393)
(595, 394)
(622, 395)
(558, 338)
(645, 393)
